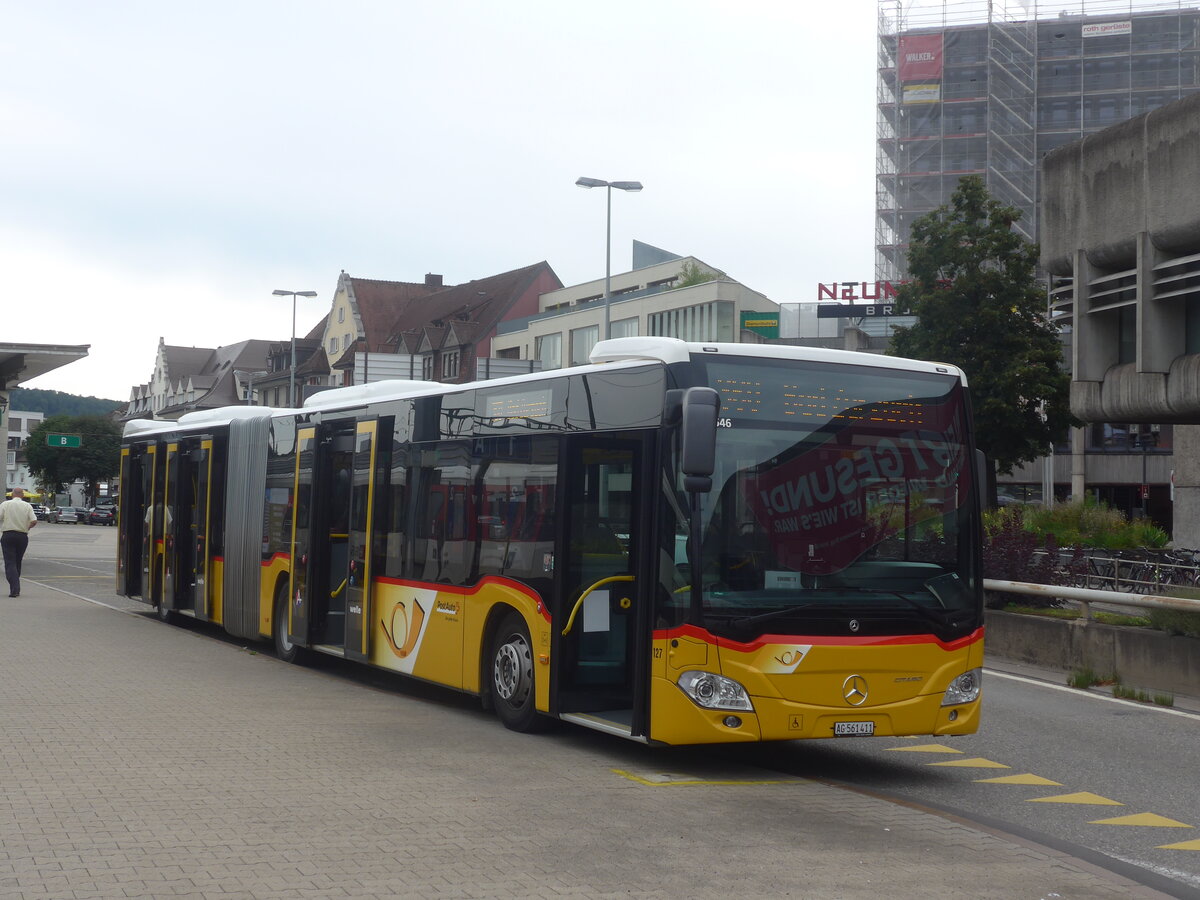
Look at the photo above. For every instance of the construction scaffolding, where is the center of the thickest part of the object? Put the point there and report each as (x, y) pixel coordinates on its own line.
(988, 87)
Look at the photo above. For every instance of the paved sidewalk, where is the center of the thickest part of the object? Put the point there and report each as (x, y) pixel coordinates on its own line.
(142, 760)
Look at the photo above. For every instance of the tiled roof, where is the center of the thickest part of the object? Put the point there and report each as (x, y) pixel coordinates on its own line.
(380, 303)
(482, 303)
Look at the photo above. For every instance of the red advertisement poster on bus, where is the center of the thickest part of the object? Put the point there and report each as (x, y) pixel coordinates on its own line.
(825, 502)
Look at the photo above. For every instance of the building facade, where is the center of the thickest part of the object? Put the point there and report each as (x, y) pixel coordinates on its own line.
(1121, 241)
(191, 378)
(989, 87)
(663, 295)
(19, 424)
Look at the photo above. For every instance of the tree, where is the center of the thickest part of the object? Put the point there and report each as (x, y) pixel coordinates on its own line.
(98, 459)
(979, 306)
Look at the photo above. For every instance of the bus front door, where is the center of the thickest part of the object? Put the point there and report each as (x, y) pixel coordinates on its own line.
(603, 609)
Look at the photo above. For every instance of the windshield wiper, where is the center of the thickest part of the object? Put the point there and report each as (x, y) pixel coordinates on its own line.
(941, 619)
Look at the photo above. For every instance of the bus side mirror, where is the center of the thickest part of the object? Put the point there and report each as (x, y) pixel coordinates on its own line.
(698, 438)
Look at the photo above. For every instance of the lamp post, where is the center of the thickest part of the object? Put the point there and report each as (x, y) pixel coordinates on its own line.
(250, 388)
(292, 377)
(632, 186)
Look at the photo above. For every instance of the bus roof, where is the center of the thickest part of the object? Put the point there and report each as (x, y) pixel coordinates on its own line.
(614, 353)
(198, 420)
(673, 350)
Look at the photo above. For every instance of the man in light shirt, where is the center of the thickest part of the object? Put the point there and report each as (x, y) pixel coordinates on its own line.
(16, 518)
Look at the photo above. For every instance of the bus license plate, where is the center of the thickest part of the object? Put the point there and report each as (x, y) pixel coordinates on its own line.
(853, 729)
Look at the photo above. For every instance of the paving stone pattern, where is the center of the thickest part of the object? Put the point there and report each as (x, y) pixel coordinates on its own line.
(144, 760)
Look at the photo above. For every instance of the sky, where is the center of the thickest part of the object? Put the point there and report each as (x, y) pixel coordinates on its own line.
(165, 166)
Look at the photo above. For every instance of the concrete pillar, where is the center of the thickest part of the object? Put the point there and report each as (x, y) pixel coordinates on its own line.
(1186, 459)
(4, 408)
(1160, 326)
(1078, 462)
(1091, 355)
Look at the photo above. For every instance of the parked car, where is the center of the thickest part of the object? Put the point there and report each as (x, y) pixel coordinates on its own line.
(101, 515)
(51, 514)
(40, 511)
(70, 515)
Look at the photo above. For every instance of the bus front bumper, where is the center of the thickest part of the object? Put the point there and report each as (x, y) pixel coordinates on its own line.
(676, 719)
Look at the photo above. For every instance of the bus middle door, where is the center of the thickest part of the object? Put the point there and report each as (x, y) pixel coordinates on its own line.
(192, 512)
(321, 536)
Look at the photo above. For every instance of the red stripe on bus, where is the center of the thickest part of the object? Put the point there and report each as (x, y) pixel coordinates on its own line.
(823, 640)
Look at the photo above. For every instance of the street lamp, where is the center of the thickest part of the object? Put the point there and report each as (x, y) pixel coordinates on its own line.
(632, 186)
(292, 377)
(243, 373)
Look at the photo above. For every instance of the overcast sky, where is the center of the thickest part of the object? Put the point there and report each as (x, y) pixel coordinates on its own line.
(165, 166)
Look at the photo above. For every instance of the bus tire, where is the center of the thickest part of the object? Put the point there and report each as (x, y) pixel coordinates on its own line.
(510, 675)
(165, 614)
(285, 649)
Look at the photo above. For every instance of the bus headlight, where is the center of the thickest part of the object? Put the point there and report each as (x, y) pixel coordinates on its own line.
(964, 689)
(714, 691)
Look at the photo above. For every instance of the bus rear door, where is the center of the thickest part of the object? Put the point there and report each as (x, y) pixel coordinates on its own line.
(137, 468)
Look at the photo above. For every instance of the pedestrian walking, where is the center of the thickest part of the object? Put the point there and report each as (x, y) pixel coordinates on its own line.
(16, 518)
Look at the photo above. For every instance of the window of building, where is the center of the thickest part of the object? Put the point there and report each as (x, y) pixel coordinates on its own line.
(548, 350)
(582, 342)
(1127, 334)
(509, 353)
(341, 314)
(1191, 325)
(1100, 112)
(333, 345)
(624, 328)
(427, 367)
(704, 322)
(450, 364)
(346, 340)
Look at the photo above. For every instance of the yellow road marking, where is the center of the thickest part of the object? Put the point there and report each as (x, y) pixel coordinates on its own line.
(1027, 778)
(1144, 820)
(976, 762)
(926, 748)
(666, 779)
(1185, 845)
(1083, 797)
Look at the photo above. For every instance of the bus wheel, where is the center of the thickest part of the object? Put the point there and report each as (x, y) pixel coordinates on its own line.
(285, 649)
(512, 675)
(164, 613)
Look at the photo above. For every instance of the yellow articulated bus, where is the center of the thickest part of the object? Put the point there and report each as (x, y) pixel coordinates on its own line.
(679, 543)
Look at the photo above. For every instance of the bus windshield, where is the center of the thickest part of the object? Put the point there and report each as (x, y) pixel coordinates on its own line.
(838, 490)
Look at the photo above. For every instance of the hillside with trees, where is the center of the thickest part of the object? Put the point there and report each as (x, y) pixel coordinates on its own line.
(56, 403)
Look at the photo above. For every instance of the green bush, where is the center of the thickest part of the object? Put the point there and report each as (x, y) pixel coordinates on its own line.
(1175, 621)
(1086, 523)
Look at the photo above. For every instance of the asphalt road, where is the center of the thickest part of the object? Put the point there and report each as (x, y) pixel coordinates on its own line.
(1112, 780)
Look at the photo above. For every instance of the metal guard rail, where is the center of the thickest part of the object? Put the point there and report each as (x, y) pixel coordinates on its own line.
(1087, 596)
